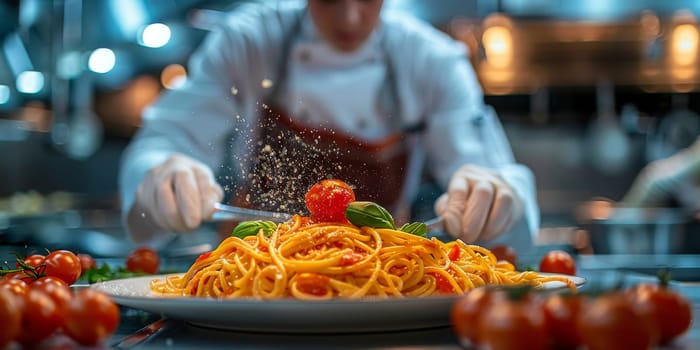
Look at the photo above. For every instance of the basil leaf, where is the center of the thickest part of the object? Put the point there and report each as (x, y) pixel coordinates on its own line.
(416, 228)
(106, 273)
(369, 214)
(251, 228)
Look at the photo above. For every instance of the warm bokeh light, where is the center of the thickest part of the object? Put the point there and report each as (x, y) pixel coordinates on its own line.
(684, 44)
(498, 44)
(650, 24)
(173, 76)
(600, 210)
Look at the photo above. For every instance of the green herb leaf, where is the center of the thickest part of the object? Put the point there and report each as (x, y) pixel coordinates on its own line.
(416, 228)
(251, 228)
(369, 214)
(106, 273)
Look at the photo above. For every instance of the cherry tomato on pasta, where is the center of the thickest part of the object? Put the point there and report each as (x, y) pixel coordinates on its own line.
(313, 284)
(64, 265)
(558, 261)
(143, 259)
(328, 199)
(505, 252)
(442, 283)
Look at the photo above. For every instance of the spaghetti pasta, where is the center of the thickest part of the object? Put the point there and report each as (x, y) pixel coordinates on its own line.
(306, 260)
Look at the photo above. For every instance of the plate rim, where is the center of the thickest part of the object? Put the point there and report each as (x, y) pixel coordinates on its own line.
(386, 314)
(579, 281)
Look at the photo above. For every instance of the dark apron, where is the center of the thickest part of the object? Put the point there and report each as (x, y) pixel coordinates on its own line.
(290, 157)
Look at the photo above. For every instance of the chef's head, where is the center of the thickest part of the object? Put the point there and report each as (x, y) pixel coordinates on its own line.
(346, 24)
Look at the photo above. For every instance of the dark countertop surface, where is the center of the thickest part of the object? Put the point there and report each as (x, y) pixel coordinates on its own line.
(599, 270)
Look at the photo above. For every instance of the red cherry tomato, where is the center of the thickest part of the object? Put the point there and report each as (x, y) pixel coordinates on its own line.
(313, 284)
(64, 265)
(441, 283)
(143, 259)
(505, 252)
(466, 311)
(514, 324)
(11, 316)
(86, 262)
(41, 317)
(54, 287)
(328, 199)
(558, 261)
(34, 260)
(91, 317)
(16, 286)
(24, 276)
(670, 312)
(561, 313)
(611, 322)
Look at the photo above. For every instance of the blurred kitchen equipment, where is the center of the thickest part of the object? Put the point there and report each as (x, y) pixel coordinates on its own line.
(608, 144)
(677, 130)
(620, 230)
(83, 224)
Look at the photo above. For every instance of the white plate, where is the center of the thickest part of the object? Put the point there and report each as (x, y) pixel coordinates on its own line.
(290, 315)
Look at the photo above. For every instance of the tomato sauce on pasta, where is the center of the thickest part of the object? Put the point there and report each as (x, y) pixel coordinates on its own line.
(306, 260)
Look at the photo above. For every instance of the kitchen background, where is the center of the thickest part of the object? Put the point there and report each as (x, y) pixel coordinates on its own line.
(589, 91)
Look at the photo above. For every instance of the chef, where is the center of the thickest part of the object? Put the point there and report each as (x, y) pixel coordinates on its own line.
(675, 178)
(283, 95)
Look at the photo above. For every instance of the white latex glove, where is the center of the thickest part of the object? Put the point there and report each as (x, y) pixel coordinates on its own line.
(663, 178)
(178, 194)
(478, 205)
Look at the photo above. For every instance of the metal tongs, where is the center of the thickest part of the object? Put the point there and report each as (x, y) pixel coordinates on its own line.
(436, 228)
(435, 224)
(227, 212)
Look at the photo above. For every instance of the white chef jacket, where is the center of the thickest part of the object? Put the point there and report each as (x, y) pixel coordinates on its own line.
(232, 74)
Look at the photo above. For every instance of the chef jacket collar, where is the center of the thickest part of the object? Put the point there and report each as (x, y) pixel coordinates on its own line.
(310, 38)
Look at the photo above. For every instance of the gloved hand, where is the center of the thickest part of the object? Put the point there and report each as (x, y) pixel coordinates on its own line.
(661, 179)
(478, 205)
(178, 194)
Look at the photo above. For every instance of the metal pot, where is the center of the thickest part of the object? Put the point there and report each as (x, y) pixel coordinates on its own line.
(620, 230)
